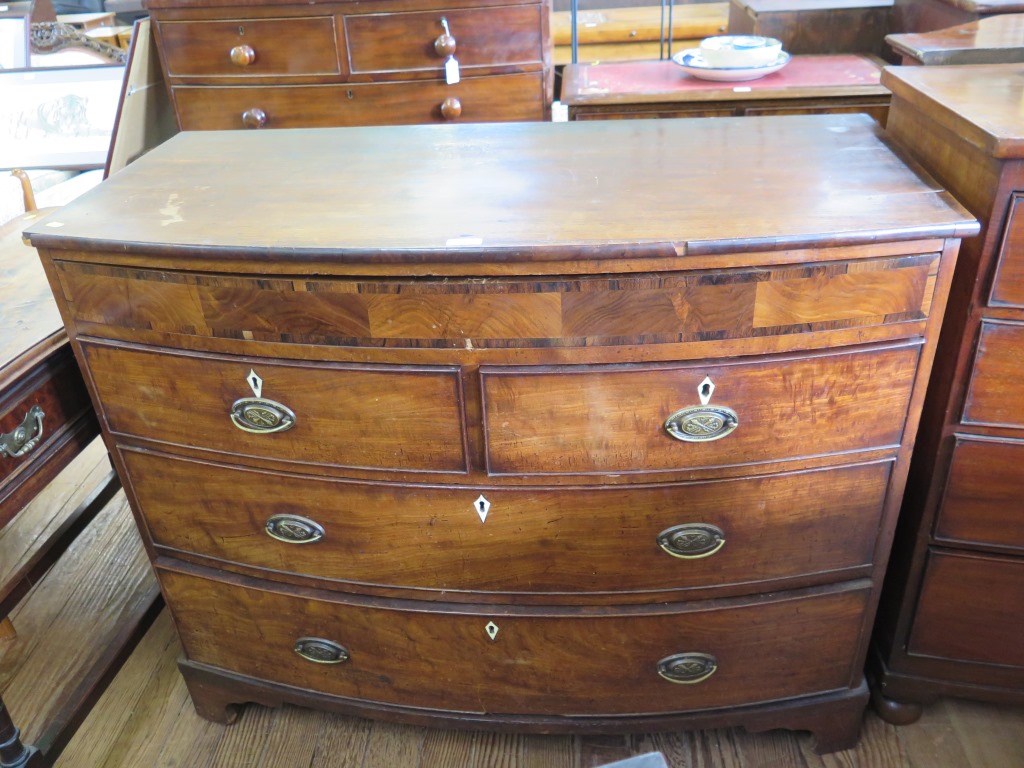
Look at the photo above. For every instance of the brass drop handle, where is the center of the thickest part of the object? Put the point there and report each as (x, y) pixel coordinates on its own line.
(25, 436)
(445, 43)
(691, 541)
(702, 423)
(254, 118)
(688, 668)
(294, 529)
(451, 108)
(321, 651)
(260, 415)
(243, 55)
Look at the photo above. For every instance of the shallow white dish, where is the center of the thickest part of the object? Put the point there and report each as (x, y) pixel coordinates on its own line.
(693, 63)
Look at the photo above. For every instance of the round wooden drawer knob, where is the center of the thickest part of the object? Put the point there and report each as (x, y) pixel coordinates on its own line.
(451, 108)
(254, 118)
(243, 55)
(445, 45)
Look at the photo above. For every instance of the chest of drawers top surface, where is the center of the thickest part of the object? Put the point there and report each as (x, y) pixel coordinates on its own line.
(979, 102)
(511, 194)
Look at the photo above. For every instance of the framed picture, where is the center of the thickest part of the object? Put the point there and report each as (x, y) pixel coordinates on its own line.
(58, 118)
(14, 31)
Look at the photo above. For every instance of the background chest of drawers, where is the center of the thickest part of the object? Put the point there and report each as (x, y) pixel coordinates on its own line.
(537, 447)
(951, 622)
(315, 64)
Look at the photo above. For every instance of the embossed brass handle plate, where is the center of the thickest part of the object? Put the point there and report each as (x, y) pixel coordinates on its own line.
(25, 436)
(688, 668)
(321, 651)
(294, 529)
(702, 423)
(692, 541)
(259, 415)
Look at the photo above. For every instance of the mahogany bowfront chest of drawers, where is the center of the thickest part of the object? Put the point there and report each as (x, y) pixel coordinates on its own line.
(535, 426)
(387, 62)
(951, 623)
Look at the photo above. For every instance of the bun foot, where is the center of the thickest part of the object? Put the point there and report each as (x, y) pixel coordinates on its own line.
(895, 712)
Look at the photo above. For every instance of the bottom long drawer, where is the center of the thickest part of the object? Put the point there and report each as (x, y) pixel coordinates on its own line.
(524, 660)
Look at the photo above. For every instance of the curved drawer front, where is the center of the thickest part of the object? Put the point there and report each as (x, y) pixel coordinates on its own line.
(524, 662)
(491, 99)
(479, 37)
(250, 47)
(994, 395)
(375, 417)
(593, 419)
(516, 541)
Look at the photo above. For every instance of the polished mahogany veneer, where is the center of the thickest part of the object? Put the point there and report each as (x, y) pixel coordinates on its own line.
(951, 618)
(498, 426)
(233, 65)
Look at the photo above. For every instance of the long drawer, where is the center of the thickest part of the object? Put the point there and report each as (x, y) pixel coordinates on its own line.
(524, 660)
(637, 542)
(500, 98)
(996, 392)
(983, 501)
(595, 419)
(970, 609)
(379, 417)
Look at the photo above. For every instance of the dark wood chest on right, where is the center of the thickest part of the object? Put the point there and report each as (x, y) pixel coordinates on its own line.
(952, 616)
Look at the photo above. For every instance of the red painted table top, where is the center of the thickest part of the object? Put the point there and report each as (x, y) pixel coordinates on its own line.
(665, 81)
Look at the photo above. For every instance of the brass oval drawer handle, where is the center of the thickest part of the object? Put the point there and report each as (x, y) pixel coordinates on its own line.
(294, 529)
(692, 541)
(321, 651)
(259, 415)
(451, 108)
(688, 668)
(702, 423)
(254, 118)
(25, 436)
(242, 55)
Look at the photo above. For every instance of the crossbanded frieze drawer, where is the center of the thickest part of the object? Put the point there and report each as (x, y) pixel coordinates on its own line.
(635, 542)
(220, 107)
(371, 417)
(633, 418)
(250, 48)
(525, 660)
(665, 308)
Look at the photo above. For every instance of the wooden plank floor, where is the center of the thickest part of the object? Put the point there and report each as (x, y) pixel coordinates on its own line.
(145, 719)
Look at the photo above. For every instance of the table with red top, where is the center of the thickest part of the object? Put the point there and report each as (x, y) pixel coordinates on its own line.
(806, 85)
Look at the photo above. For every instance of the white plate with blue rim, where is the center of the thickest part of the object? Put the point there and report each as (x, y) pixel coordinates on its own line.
(693, 63)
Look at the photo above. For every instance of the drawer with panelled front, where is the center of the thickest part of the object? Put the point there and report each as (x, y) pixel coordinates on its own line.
(491, 543)
(523, 660)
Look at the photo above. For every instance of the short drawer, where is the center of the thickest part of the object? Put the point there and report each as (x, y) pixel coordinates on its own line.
(643, 541)
(637, 418)
(1008, 285)
(520, 660)
(995, 396)
(984, 497)
(474, 99)
(374, 417)
(971, 609)
(249, 47)
(478, 37)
